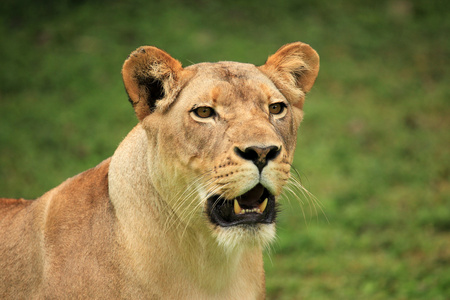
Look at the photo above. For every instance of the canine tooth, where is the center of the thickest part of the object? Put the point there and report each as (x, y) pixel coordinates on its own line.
(237, 208)
(263, 205)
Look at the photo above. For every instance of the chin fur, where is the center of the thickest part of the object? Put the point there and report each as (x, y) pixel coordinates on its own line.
(245, 236)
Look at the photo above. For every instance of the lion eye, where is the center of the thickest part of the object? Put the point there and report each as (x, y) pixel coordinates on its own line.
(203, 112)
(276, 108)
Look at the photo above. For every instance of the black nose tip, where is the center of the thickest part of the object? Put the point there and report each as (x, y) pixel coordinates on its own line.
(260, 156)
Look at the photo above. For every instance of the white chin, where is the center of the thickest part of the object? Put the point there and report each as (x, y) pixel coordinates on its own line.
(245, 236)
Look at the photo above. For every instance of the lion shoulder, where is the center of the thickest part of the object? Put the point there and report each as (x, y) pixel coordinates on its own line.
(8, 205)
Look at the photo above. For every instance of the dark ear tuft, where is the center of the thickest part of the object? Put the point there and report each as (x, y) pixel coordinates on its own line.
(155, 91)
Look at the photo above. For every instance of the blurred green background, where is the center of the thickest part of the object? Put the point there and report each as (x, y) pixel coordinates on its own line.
(373, 147)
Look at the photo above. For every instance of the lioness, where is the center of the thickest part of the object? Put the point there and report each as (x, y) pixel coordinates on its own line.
(185, 205)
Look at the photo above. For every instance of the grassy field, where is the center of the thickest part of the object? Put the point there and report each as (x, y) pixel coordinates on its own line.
(373, 148)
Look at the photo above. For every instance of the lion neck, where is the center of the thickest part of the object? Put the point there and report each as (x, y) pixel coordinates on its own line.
(143, 214)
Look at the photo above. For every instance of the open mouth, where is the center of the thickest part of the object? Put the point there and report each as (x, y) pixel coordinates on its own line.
(255, 206)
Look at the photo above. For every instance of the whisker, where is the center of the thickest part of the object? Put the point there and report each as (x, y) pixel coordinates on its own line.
(184, 202)
(296, 188)
(306, 195)
(211, 191)
(292, 192)
(189, 220)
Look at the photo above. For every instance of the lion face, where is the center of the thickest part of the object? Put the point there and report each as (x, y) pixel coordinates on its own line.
(221, 136)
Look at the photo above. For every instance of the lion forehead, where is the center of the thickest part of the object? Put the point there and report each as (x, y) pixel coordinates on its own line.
(226, 70)
(229, 71)
(230, 79)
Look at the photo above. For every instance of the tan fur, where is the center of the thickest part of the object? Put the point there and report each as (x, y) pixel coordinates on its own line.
(135, 226)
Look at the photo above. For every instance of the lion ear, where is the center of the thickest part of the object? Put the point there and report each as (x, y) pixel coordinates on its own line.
(149, 75)
(293, 69)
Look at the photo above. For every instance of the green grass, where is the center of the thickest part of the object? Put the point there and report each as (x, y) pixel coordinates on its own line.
(373, 147)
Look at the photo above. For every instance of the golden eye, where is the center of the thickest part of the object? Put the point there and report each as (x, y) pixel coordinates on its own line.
(203, 112)
(276, 108)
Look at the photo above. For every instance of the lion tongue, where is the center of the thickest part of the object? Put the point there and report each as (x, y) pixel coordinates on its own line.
(252, 197)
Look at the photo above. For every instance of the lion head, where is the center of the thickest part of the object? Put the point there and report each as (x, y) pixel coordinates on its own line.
(221, 136)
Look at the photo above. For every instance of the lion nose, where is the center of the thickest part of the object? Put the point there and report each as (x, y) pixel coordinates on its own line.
(260, 156)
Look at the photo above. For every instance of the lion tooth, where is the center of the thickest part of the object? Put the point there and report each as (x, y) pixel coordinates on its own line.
(263, 205)
(237, 207)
